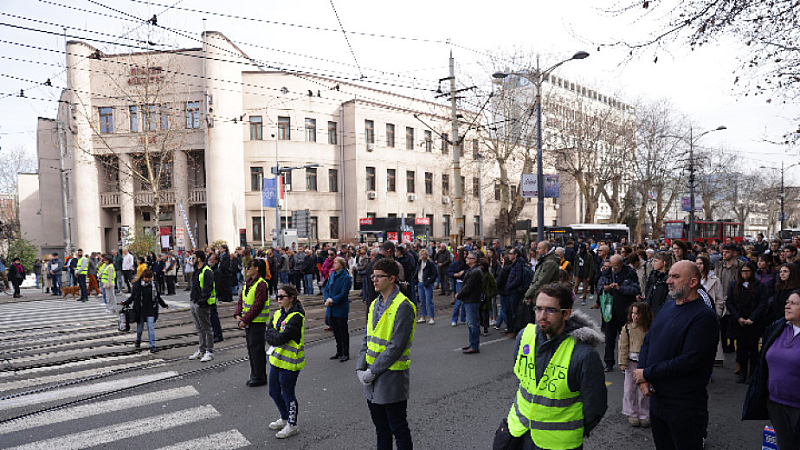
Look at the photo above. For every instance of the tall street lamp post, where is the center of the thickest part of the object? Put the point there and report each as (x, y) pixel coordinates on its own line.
(537, 77)
(692, 141)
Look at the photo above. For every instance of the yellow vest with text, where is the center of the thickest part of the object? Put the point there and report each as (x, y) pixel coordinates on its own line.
(378, 337)
(250, 298)
(207, 270)
(107, 272)
(547, 407)
(291, 355)
(85, 270)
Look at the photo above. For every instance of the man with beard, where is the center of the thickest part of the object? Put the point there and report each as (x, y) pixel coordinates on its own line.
(675, 362)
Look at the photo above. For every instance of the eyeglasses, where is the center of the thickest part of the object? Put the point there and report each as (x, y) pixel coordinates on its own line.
(746, 271)
(373, 277)
(471, 257)
(548, 311)
(280, 297)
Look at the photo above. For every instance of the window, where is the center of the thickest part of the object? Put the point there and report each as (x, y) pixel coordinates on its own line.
(145, 216)
(332, 133)
(445, 184)
(311, 130)
(258, 231)
(256, 178)
(409, 138)
(284, 128)
(410, 218)
(460, 188)
(430, 221)
(314, 225)
(477, 225)
(371, 215)
(287, 180)
(496, 190)
(165, 117)
(475, 153)
(256, 128)
(428, 141)
(151, 118)
(333, 180)
(476, 187)
(428, 182)
(391, 179)
(311, 178)
(391, 215)
(446, 224)
(134, 113)
(107, 119)
(334, 226)
(369, 131)
(286, 222)
(390, 135)
(445, 144)
(192, 114)
(410, 175)
(370, 178)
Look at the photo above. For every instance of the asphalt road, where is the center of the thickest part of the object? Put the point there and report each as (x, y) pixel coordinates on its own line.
(457, 400)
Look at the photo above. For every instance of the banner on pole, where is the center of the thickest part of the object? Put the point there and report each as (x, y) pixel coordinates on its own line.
(552, 186)
(269, 193)
(188, 228)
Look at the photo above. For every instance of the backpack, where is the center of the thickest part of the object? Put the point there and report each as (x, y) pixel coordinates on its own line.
(527, 278)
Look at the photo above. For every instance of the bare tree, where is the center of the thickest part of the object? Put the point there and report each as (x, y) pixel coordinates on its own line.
(16, 159)
(713, 174)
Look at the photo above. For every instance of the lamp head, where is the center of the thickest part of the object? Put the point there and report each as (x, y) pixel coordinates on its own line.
(721, 127)
(499, 75)
(580, 55)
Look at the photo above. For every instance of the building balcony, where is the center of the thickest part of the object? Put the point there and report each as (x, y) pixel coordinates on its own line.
(141, 198)
(197, 196)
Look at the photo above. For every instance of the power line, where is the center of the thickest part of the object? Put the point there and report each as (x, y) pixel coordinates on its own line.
(344, 33)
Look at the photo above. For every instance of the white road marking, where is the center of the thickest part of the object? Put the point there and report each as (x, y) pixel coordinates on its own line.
(87, 362)
(226, 439)
(494, 341)
(59, 394)
(96, 409)
(113, 433)
(8, 386)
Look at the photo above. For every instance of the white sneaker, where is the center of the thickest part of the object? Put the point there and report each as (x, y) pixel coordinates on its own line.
(196, 355)
(278, 424)
(452, 324)
(207, 357)
(431, 321)
(287, 431)
(421, 320)
(492, 322)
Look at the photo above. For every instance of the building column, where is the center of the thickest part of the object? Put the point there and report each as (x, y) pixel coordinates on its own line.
(127, 206)
(86, 196)
(180, 183)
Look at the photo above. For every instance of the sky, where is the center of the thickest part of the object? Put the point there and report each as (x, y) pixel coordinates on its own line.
(403, 47)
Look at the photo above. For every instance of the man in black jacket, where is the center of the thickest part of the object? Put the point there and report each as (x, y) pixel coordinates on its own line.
(471, 293)
(223, 289)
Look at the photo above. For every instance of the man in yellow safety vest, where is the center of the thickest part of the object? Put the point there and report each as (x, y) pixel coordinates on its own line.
(562, 393)
(385, 358)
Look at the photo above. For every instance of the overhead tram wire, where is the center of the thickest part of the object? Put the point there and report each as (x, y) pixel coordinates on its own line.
(344, 33)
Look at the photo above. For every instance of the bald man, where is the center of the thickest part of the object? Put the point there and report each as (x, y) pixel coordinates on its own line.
(622, 283)
(675, 362)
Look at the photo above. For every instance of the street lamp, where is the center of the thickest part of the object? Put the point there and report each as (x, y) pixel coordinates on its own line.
(536, 77)
(692, 140)
(783, 193)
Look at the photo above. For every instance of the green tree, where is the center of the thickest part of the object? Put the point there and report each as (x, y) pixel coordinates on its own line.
(23, 249)
(142, 242)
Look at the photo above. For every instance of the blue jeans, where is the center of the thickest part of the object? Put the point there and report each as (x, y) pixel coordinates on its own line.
(57, 284)
(459, 306)
(105, 300)
(151, 330)
(284, 277)
(308, 283)
(474, 324)
(281, 389)
(390, 421)
(37, 280)
(426, 300)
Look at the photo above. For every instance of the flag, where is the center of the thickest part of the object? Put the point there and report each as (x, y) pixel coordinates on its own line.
(268, 193)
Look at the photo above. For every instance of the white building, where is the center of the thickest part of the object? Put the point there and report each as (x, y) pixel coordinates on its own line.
(222, 123)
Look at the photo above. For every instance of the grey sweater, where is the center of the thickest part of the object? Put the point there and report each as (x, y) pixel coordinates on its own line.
(390, 386)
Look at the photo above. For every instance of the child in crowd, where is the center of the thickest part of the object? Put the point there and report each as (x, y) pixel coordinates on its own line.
(634, 405)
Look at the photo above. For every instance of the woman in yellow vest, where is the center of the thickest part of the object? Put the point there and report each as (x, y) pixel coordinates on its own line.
(108, 277)
(252, 314)
(286, 337)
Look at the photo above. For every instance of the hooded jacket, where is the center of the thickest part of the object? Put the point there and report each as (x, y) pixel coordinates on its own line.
(546, 272)
(585, 372)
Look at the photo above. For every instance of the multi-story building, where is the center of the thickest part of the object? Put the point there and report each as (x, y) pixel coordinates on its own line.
(193, 132)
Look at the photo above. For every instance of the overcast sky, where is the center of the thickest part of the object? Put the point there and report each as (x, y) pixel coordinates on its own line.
(699, 83)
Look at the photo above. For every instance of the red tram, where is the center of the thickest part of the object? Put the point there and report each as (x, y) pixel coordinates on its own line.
(704, 231)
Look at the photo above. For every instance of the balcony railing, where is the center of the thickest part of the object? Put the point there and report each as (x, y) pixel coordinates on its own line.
(141, 198)
(197, 196)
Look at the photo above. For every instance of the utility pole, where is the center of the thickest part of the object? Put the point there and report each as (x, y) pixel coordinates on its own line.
(783, 196)
(480, 196)
(278, 234)
(456, 153)
(691, 189)
(64, 210)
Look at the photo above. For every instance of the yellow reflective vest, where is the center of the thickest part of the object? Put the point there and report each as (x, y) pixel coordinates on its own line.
(107, 273)
(291, 355)
(210, 272)
(85, 269)
(547, 407)
(250, 298)
(378, 337)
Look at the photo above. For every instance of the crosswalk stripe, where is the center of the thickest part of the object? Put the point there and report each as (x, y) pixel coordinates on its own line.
(96, 409)
(105, 435)
(37, 381)
(226, 439)
(48, 353)
(59, 394)
(69, 365)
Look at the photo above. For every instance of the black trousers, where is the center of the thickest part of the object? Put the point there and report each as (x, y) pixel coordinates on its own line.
(747, 350)
(216, 326)
(676, 428)
(256, 337)
(786, 421)
(390, 421)
(611, 330)
(339, 325)
(82, 284)
(171, 284)
(16, 284)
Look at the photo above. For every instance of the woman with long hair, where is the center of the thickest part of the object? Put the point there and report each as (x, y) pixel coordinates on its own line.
(657, 289)
(286, 336)
(146, 298)
(713, 286)
(336, 295)
(747, 304)
(680, 249)
(766, 272)
(788, 282)
(426, 275)
(252, 315)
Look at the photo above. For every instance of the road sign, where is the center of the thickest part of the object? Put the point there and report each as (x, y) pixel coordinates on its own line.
(301, 220)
